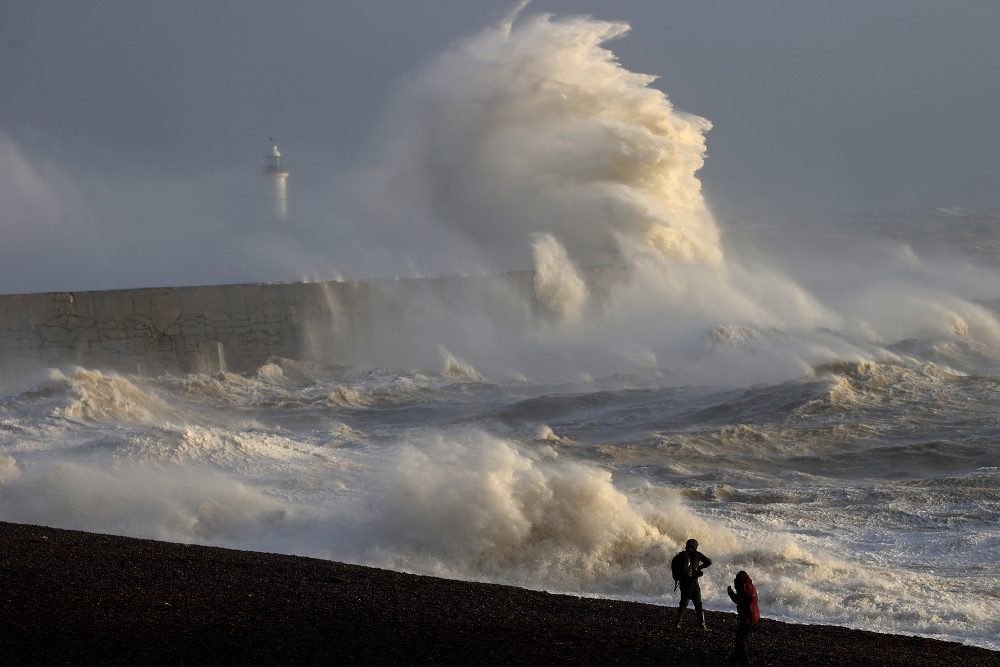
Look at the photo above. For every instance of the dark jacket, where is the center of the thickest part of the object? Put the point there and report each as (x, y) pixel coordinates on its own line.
(700, 560)
(745, 597)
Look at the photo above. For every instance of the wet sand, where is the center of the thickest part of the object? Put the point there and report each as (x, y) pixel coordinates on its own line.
(74, 597)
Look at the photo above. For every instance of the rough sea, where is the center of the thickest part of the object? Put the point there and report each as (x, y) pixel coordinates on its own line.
(863, 492)
(813, 398)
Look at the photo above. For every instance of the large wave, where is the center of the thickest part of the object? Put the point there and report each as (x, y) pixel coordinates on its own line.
(536, 128)
(530, 145)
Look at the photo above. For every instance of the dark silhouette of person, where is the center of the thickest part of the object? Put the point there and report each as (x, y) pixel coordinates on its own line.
(687, 567)
(745, 597)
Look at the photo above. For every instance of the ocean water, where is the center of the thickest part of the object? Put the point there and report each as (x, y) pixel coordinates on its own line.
(862, 492)
(812, 397)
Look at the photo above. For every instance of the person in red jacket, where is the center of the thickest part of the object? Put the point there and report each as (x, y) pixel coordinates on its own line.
(745, 597)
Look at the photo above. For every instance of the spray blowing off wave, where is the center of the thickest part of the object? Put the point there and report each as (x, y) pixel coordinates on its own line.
(534, 127)
(481, 507)
(558, 285)
(530, 145)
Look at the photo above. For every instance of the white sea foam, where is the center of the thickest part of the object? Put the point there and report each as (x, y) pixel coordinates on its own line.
(8, 469)
(96, 396)
(140, 500)
(473, 505)
(457, 368)
(774, 479)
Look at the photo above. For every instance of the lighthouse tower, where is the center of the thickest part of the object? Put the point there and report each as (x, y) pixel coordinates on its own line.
(277, 177)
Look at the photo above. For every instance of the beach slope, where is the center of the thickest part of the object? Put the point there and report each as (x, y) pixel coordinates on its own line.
(74, 597)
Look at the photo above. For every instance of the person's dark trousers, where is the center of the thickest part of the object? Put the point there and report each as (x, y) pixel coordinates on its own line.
(691, 591)
(743, 632)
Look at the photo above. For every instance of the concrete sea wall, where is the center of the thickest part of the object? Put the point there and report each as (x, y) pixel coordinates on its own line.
(238, 327)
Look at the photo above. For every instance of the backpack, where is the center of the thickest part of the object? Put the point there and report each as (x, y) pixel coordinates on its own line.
(684, 566)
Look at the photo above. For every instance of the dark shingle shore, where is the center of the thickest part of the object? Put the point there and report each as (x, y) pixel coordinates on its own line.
(71, 597)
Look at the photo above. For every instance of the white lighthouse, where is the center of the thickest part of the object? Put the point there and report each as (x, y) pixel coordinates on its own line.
(277, 177)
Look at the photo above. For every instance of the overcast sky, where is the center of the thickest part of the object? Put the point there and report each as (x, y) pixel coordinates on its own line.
(815, 104)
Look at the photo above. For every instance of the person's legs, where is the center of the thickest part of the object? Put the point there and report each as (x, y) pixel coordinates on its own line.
(695, 595)
(685, 596)
(741, 656)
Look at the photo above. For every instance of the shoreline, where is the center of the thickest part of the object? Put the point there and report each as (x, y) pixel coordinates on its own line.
(73, 597)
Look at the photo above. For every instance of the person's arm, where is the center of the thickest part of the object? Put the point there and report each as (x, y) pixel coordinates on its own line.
(705, 561)
(732, 595)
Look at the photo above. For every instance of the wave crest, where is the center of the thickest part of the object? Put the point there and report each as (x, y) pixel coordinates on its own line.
(95, 396)
(479, 506)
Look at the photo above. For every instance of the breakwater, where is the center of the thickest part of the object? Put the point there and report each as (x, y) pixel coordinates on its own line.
(238, 327)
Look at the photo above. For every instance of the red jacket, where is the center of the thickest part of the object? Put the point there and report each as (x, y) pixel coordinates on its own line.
(745, 597)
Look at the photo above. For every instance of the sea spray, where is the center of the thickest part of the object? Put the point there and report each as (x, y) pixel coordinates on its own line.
(469, 504)
(456, 368)
(530, 145)
(535, 128)
(557, 283)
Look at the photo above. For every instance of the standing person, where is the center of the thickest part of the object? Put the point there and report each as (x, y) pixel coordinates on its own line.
(745, 597)
(687, 567)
